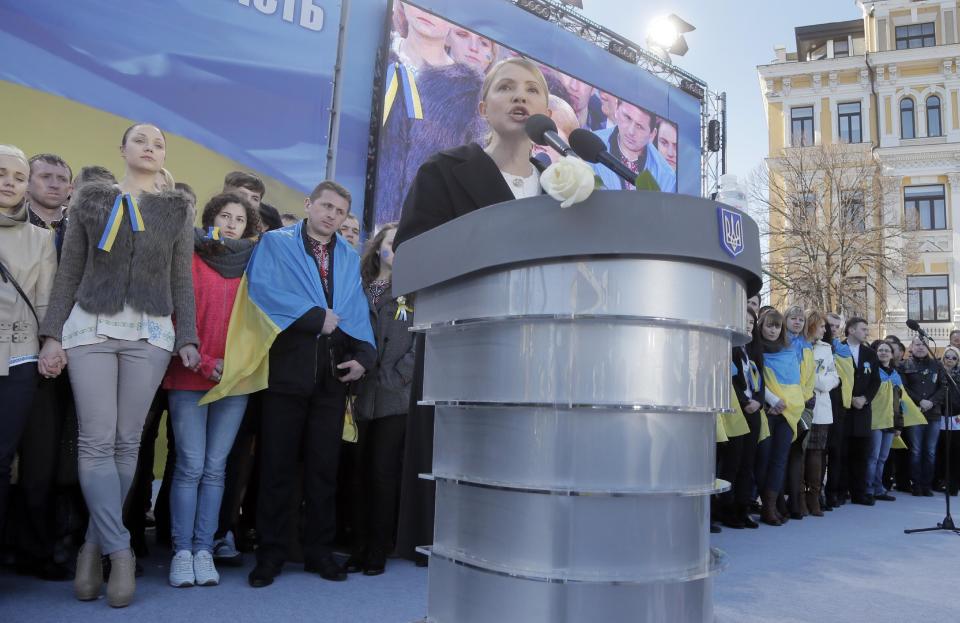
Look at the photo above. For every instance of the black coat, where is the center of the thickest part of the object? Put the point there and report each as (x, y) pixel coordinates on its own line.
(385, 390)
(866, 383)
(739, 379)
(449, 184)
(923, 380)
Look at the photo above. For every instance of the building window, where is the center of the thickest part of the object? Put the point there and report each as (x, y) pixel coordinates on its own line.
(841, 47)
(928, 298)
(805, 211)
(849, 122)
(855, 298)
(906, 119)
(925, 207)
(801, 123)
(916, 36)
(851, 201)
(933, 116)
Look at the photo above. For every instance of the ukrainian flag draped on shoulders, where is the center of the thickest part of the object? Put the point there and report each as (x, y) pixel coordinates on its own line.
(882, 405)
(732, 423)
(808, 369)
(281, 284)
(781, 373)
(843, 358)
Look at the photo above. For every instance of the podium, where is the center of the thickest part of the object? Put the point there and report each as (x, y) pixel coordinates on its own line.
(577, 359)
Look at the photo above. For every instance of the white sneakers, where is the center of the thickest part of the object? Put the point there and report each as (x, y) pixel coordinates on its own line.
(181, 569)
(187, 569)
(204, 571)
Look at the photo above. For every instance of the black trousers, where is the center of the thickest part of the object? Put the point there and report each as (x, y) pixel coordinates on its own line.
(837, 447)
(241, 480)
(291, 425)
(382, 458)
(736, 460)
(40, 455)
(17, 389)
(857, 463)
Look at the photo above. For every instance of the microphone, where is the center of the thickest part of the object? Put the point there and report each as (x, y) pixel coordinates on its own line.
(543, 131)
(591, 148)
(913, 325)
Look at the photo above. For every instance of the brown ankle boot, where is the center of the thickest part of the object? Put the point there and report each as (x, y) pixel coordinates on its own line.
(768, 512)
(122, 582)
(814, 483)
(89, 577)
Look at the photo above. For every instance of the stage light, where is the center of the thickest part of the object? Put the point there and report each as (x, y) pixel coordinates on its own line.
(666, 34)
(623, 51)
(540, 9)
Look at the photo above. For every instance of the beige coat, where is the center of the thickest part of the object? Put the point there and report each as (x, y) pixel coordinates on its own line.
(29, 254)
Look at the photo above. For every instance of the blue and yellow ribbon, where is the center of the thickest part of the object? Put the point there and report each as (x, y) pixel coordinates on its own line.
(116, 218)
(401, 77)
(213, 233)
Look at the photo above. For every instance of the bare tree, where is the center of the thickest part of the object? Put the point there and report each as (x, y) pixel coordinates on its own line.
(831, 237)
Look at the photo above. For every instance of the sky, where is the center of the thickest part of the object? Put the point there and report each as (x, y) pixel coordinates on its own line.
(731, 39)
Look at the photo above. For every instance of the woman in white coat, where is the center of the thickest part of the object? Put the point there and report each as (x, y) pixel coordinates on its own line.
(817, 332)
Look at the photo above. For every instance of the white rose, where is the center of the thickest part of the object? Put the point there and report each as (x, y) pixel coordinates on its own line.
(569, 181)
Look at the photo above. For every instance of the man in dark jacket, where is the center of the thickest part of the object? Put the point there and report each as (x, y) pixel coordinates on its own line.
(859, 420)
(311, 364)
(926, 385)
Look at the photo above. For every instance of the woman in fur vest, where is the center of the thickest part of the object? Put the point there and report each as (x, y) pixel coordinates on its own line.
(28, 263)
(124, 274)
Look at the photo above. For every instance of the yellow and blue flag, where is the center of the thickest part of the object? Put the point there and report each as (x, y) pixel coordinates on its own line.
(881, 407)
(804, 351)
(280, 285)
(782, 376)
(843, 358)
(733, 423)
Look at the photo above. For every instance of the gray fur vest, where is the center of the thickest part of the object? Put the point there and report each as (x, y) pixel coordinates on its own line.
(149, 270)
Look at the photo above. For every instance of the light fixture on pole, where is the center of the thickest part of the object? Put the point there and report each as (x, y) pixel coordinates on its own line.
(665, 36)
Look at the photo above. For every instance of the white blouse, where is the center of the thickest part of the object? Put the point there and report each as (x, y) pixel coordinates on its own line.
(523, 187)
(83, 328)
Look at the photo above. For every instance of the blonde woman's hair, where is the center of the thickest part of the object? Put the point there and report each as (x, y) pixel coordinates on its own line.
(520, 62)
(165, 181)
(15, 152)
(793, 310)
(814, 318)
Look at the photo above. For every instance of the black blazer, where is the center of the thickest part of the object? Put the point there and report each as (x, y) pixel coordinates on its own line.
(866, 383)
(739, 382)
(449, 184)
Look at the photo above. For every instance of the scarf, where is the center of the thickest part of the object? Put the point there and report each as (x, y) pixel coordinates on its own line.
(226, 256)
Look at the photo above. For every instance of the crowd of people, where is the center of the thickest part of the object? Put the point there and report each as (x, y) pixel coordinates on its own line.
(822, 416)
(292, 382)
(116, 303)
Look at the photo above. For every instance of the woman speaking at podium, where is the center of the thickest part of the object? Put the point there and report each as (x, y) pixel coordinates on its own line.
(449, 184)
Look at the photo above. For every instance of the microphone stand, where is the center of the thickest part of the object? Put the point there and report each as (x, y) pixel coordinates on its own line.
(947, 523)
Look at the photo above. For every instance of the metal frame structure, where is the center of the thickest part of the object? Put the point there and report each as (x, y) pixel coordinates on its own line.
(713, 107)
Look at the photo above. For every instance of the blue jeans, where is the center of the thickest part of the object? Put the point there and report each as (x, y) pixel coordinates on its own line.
(204, 438)
(772, 454)
(880, 443)
(923, 452)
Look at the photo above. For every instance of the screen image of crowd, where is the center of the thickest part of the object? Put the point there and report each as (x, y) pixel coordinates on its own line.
(433, 75)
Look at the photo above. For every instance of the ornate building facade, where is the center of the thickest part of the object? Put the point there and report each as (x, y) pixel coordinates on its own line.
(887, 84)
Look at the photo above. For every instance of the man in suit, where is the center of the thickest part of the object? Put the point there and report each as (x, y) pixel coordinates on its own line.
(311, 363)
(859, 420)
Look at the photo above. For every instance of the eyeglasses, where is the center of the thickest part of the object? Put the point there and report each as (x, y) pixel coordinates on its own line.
(950, 359)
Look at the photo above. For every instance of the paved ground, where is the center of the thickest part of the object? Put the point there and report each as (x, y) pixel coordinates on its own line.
(854, 565)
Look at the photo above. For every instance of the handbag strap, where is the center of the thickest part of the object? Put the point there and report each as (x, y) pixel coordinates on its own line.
(8, 276)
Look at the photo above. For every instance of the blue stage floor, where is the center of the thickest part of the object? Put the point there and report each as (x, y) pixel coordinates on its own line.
(854, 565)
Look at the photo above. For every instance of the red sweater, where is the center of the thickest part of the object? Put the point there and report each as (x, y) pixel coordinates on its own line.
(214, 296)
